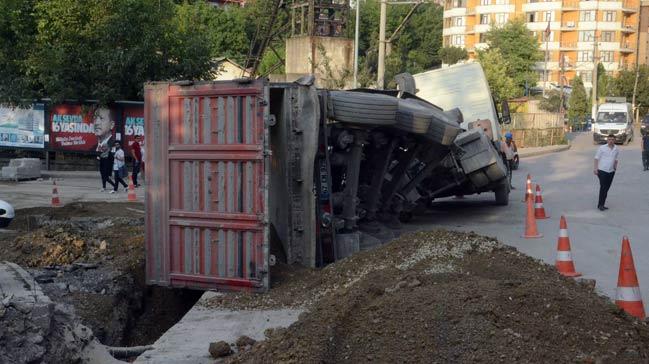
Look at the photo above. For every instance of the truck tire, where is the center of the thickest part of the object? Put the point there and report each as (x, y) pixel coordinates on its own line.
(502, 194)
(363, 108)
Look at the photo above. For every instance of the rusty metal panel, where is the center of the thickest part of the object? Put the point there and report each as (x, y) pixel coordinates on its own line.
(206, 172)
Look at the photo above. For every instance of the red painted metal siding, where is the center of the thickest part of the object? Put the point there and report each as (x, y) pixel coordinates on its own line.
(206, 175)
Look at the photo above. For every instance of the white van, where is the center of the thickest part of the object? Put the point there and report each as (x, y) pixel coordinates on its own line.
(616, 119)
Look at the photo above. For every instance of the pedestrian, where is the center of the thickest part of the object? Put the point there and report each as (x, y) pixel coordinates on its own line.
(136, 153)
(605, 167)
(105, 158)
(509, 149)
(119, 167)
(645, 151)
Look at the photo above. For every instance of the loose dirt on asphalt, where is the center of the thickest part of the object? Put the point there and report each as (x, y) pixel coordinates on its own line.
(440, 297)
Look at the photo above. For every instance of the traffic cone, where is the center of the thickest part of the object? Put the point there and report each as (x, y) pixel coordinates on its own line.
(528, 189)
(628, 291)
(539, 211)
(55, 195)
(564, 261)
(131, 190)
(531, 231)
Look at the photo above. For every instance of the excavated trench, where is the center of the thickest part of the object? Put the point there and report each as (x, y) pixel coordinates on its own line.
(91, 256)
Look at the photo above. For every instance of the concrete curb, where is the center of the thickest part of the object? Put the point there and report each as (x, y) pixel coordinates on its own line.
(70, 174)
(542, 152)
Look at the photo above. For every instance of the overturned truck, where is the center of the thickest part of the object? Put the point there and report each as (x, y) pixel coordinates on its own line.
(236, 169)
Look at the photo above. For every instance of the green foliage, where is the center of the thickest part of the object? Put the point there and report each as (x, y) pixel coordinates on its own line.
(603, 81)
(552, 101)
(496, 69)
(415, 48)
(452, 55)
(579, 103)
(521, 50)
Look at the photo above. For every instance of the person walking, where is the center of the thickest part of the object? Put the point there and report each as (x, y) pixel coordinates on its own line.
(105, 158)
(605, 167)
(509, 149)
(645, 151)
(136, 153)
(119, 167)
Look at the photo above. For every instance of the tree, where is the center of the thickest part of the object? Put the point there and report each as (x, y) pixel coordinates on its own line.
(603, 81)
(414, 50)
(496, 69)
(521, 50)
(579, 103)
(552, 102)
(452, 55)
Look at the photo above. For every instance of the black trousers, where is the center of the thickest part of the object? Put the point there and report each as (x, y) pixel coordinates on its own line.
(106, 169)
(605, 180)
(645, 159)
(136, 170)
(118, 180)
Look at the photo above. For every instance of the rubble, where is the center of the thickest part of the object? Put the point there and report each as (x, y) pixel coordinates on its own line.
(220, 349)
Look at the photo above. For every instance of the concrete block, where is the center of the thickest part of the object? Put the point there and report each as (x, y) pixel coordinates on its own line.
(22, 168)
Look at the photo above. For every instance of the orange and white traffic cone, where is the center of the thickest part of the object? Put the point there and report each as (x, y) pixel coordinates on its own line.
(564, 262)
(55, 195)
(528, 189)
(628, 291)
(539, 211)
(131, 190)
(531, 231)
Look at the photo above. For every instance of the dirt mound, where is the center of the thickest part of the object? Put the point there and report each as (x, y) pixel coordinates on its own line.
(444, 297)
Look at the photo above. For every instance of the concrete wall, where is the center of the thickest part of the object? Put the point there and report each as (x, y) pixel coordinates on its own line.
(310, 55)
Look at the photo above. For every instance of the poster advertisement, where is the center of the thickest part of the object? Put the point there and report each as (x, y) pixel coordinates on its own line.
(78, 129)
(133, 124)
(22, 128)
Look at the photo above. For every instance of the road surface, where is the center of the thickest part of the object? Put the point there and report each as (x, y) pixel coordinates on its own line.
(569, 189)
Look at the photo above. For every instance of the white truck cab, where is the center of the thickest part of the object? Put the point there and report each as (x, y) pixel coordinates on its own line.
(616, 119)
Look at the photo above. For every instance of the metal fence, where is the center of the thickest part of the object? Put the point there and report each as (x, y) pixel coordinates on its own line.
(539, 137)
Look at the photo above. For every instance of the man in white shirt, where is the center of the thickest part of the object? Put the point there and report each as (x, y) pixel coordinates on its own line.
(605, 167)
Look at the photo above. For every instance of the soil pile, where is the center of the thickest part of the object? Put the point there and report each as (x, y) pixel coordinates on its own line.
(443, 297)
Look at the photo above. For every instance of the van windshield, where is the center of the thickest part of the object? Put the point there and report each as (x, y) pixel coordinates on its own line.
(611, 117)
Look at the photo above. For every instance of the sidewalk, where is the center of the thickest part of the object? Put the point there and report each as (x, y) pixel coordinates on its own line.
(534, 151)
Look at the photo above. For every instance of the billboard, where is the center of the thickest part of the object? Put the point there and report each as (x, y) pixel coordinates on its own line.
(76, 128)
(133, 124)
(22, 128)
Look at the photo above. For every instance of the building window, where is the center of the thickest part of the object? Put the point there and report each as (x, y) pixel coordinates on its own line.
(586, 35)
(483, 38)
(459, 3)
(485, 2)
(586, 76)
(585, 56)
(447, 41)
(457, 40)
(458, 21)
(608, 36)
(609, 16)
(606, 56)
(484, 18)
(588, 15)
(501, 18)
(548, 16)
(530, 17)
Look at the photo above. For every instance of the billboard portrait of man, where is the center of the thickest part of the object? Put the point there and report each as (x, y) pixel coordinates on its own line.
(104, 124)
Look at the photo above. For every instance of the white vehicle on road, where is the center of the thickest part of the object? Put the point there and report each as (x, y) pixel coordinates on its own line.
(616, 119)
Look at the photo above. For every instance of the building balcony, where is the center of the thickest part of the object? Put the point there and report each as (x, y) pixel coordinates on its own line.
(628, 29)
(568, 46)
(629, 7)
(568, 26)
(626, 47)
(570, 5)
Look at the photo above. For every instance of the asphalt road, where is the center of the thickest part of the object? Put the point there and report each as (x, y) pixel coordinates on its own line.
(570, 189)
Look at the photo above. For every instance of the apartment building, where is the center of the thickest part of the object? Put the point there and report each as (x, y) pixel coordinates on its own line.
(581, 32)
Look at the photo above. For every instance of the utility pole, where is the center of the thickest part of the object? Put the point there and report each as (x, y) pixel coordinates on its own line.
(545, 73)
(594, 81)
(561, 76)
(380, 81)
(356, 37)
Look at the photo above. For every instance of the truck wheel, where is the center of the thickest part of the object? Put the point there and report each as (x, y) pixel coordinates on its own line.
(363, 108)
(502, 194)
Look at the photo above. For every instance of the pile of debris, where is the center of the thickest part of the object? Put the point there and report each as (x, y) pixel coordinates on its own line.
(442, 297)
